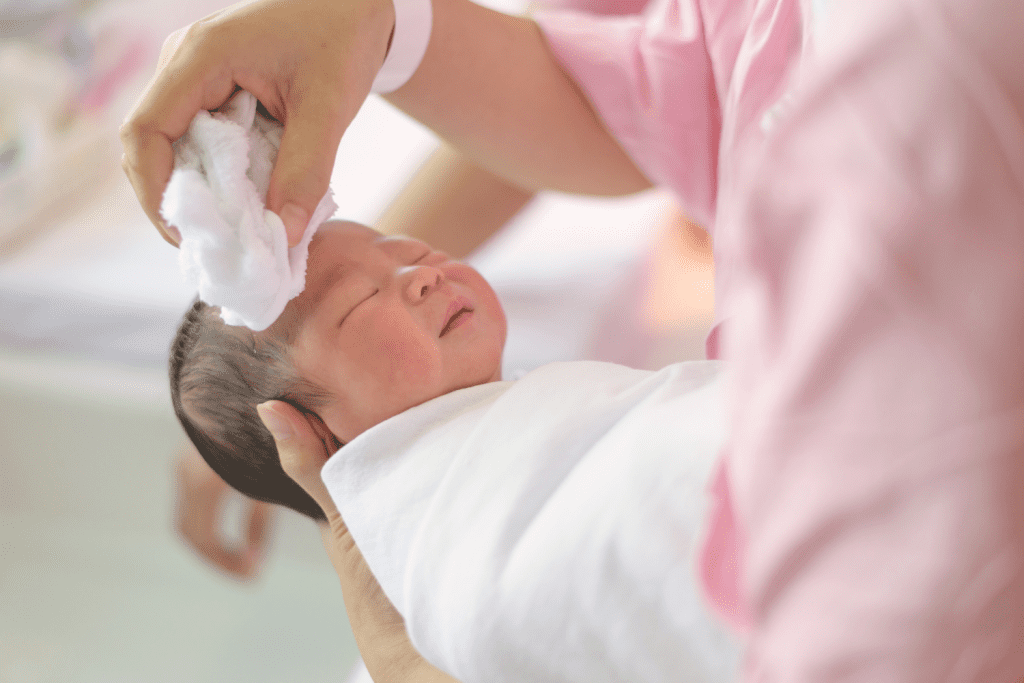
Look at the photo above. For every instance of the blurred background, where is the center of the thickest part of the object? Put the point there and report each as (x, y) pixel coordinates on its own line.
(94, 583)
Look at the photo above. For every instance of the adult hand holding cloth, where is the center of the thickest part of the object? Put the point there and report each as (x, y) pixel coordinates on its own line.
(312, 64)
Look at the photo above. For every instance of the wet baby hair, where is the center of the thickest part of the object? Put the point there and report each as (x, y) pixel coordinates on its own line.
(219, 374)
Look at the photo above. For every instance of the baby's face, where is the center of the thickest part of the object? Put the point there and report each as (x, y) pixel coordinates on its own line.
(387, 323)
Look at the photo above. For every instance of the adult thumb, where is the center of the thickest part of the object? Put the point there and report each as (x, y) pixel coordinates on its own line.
(305, 161)
(301, 450)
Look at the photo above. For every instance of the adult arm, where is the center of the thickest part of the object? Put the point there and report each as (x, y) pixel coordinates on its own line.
(490, 85)
(487, 83)
(453, 204)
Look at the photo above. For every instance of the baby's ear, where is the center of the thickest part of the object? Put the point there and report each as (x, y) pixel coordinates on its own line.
(331, 442)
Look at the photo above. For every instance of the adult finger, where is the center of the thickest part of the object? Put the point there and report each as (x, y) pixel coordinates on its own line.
(302, 452)
(318, 104)
(129, 141)
(313, 126)
(189, 81)
(378, 628)
(170, 46)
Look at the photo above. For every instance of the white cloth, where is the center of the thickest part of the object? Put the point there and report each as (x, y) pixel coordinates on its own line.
(546, 529)
(233, 249)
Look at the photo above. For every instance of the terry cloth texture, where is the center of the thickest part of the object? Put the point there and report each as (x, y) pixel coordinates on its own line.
(233, 249)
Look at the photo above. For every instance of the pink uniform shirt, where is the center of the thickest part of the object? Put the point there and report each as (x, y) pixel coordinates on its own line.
(864, 186)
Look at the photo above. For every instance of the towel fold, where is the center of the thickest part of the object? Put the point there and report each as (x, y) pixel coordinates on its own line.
(233, 249)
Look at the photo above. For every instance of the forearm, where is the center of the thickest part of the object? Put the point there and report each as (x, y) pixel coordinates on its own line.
(412, 669)
(490, 86)
(383, 642)
(377, 627)
(453, 204)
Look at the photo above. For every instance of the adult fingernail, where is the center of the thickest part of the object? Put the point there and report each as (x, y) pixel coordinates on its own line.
(295, 220)
(279, 427)
(173, 233)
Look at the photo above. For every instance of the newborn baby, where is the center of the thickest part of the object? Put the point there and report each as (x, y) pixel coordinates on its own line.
(384, 324)
(542, 529)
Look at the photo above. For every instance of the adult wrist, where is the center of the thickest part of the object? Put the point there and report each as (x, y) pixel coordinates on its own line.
(409, 39)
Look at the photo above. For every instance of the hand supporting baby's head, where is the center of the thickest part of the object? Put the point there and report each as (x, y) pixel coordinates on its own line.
(383, 325)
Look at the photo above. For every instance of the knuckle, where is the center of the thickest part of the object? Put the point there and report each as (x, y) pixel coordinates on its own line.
(128, 132)
(205, 31)
(196, 32)
(172, 40)
(192, 33)
(184, 39)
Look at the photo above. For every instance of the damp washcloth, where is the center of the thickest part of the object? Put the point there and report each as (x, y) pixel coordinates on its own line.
(233, 249)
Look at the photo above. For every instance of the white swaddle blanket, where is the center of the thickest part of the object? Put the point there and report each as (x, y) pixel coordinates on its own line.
(233, 249)
(546, 529)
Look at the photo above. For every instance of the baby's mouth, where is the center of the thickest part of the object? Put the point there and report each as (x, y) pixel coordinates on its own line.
(456, 318)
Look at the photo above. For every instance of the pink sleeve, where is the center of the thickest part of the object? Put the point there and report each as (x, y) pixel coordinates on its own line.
(876, 326)
(650, 79)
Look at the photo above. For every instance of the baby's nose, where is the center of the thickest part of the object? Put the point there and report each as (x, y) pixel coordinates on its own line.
(422, 281)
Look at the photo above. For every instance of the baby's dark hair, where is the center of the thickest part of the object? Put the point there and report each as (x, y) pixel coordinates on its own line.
(219, 374)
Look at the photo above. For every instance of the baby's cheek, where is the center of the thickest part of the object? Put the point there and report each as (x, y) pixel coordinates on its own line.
(403, 361)
(408, 364)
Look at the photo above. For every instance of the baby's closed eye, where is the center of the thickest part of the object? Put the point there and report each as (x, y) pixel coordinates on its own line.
(357, 304)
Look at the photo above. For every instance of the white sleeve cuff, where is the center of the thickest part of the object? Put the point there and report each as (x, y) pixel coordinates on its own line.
(413, 20)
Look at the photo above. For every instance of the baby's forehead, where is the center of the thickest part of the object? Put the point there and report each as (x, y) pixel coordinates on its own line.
(334, 244)
(340, 243)
(337, 246)
(335, 233)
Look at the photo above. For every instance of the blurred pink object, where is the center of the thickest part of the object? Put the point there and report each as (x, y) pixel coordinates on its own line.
(122, 67)
(65, 83)
(869, 244)
(657, 80)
